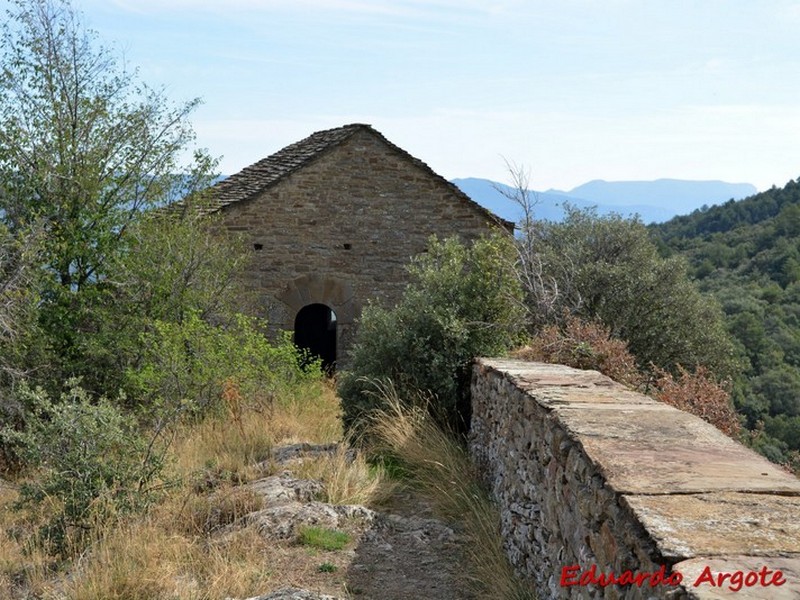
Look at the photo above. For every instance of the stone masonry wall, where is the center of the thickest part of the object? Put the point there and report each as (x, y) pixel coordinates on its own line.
(341, 229)
(587, 472)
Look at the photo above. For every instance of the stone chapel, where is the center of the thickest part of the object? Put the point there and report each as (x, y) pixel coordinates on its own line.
(332, 221)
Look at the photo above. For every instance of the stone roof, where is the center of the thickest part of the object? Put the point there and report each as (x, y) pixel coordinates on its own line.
(259, 176)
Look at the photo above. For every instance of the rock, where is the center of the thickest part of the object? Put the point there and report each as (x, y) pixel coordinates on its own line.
(285, 520)
(292, 594)
(292, 452)
(283, 489)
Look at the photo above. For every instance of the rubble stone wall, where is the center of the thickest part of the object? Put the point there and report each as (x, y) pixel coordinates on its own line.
(590, 475)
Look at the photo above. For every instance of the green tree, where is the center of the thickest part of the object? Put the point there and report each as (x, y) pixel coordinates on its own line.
(607, 268)
(85, 147)
(173, 266)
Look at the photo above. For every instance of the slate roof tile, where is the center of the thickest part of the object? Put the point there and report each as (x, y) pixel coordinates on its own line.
(265, 173)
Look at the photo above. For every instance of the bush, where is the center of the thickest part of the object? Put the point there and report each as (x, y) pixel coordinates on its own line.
(93, 464)
(461, 303)
(607, 269)
(170, 269)
(584, 345)
(700, 394)
(188, 367)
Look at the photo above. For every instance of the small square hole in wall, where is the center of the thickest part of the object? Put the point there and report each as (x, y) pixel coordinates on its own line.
(348, 246)
(258, 246)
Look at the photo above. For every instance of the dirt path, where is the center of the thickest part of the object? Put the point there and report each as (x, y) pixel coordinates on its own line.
(407, 554)
(399, 553)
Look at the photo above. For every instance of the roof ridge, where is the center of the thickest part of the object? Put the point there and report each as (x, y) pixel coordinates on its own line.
(255, 178)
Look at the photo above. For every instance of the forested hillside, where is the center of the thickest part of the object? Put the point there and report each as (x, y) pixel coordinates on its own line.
(747, 253)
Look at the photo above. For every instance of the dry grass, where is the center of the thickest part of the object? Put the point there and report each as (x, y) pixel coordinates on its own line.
(25, 569)
(440, 467)
(349, 479)
(181, 549)
(313, 415)
(149, 560)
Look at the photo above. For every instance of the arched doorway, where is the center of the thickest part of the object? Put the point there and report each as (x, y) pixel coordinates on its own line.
(315, 331)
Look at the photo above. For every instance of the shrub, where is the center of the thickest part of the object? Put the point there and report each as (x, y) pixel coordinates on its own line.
(700, 394)
(171, 268)
(462, 302)
(606, 269)
(584, 345)
(190, 366)
(93, 463)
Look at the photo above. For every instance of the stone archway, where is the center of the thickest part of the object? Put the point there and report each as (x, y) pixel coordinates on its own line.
(332, 292)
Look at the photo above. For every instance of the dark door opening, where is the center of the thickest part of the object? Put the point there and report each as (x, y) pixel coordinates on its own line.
(315, 331)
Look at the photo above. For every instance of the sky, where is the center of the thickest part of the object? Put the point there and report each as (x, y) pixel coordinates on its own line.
(570, 90)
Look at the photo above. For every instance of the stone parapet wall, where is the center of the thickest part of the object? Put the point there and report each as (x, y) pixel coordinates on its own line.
(589, 473)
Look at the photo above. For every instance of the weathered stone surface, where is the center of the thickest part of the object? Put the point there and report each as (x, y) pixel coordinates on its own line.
(291, 503)
(394, 556)
(686, 525)
(285, 520)
(284, 488)
(693, 571)
(292, 452)
(589, 473)
(293, 594)
(404, 556)
(652, 449)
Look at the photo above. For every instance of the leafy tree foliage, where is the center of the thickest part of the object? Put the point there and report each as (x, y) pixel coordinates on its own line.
(607, 269)
(747, 254)
(462, 302)
(140, 304)
(173, 267)
(187, 364)
(84, 148)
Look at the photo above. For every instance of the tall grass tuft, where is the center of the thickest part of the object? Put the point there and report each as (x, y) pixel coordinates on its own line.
(348, 477)
(439, 465)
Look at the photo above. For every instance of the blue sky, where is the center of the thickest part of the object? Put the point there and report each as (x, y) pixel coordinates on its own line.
(573, 89)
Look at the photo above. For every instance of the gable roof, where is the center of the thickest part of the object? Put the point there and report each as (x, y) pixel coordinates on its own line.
(259, 176)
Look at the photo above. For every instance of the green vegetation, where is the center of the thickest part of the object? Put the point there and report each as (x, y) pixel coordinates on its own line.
(119, 325)
(135, 397)
(607, 269)
(747, 254)
(462, 302)
(85, 147)
(93, 462)
(323, 539)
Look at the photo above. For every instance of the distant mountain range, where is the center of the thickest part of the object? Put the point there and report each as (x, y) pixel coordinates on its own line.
(654, 201)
